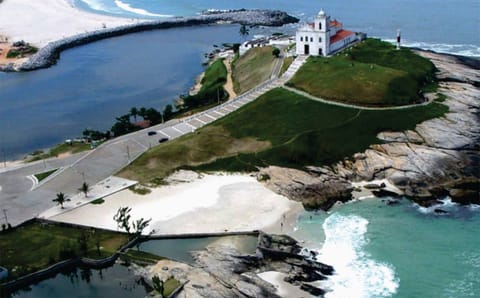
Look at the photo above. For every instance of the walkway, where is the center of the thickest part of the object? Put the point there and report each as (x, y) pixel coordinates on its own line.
(109, 158)
(346, 105)
(229, 83)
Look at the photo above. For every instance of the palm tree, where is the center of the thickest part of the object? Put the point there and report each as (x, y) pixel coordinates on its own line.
(142, 112)
(61, 198)
(134, 113)
(85, 188)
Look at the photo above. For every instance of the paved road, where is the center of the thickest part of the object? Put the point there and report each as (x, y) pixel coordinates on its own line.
(115, 154)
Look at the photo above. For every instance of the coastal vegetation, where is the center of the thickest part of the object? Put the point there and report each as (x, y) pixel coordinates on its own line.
(371, 73)
(44, 175)
(279, 128)
(37, 245)
(252, 68)
(287, 61)
(20, 50)
(64, 148)
(212, 90)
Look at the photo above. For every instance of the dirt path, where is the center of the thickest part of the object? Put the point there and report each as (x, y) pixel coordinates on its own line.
(229, 84)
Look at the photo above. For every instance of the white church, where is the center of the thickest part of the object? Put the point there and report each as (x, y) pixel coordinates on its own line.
(323, 37)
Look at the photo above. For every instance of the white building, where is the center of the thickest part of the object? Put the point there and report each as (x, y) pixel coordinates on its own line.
(323, 36)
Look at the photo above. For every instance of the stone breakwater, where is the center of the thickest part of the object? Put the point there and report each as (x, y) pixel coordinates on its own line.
(222, 271)
(49, 54)
(440, 157)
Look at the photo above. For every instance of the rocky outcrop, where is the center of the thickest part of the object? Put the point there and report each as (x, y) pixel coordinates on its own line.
(49, 54)
(317, 188)
(221, 271)
(439, 157)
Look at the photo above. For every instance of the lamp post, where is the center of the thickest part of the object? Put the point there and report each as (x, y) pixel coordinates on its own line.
(5, 214)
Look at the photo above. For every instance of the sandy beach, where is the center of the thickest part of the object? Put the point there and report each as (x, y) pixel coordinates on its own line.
(208, 204)
(40, 22)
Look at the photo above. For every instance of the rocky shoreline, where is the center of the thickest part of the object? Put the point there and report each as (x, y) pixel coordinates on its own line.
(48, 55)
(439, 158)
(221, 271)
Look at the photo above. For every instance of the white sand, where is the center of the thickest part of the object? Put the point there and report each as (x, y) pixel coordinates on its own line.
(41, 21)
(211, 204)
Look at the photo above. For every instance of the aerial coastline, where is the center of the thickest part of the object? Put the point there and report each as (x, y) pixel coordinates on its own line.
(195, 191)
(88, 27)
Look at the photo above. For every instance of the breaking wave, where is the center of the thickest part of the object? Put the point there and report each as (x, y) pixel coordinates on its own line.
(469, 50)
(139, 11)
(356, 273)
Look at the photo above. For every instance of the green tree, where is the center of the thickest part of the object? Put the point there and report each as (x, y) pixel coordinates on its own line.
(140, 224)
(157, 284)
(85, 188)
(154, 116)
(142, 112)
(134, 113)
(167, 112)
(123, 126)
(244, 31)
(276, 52)
(61, 199)
(123, 218)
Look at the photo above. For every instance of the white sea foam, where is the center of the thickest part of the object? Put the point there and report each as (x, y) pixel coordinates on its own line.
(356, 273)
(446, 205)
(140, 11)
(469, 50)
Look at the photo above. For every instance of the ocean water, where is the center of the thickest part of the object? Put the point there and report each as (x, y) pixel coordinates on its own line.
(92, 84)
(397, 251)
(450, 26)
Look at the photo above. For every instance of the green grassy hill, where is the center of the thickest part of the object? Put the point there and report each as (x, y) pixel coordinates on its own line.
(252, 68)
(280, 128)
(372, 73)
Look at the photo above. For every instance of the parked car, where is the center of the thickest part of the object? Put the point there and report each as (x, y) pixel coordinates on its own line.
(163, 140)
(151, 133)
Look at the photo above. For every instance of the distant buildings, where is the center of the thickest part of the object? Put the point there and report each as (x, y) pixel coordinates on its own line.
(262, 41)
(323, 37)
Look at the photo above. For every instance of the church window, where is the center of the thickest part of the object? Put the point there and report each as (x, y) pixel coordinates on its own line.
(319, 26)
(311, 39)
(319, 39)
(301, 38)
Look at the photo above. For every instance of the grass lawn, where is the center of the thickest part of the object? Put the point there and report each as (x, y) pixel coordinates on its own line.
(252, 68)
(36, 246)
(44, 175)
(60, 149)
(286, 64)
(169, 286)
(372, 73)
(140, 257)
(280, 128)
(203, 146)
(212, 87)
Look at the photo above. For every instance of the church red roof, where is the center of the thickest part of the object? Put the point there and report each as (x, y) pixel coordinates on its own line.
(340, 35)
(335, 23)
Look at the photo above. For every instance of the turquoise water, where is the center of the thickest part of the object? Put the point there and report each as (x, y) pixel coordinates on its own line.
(443, 25)
(397, 251)
(115, 281)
